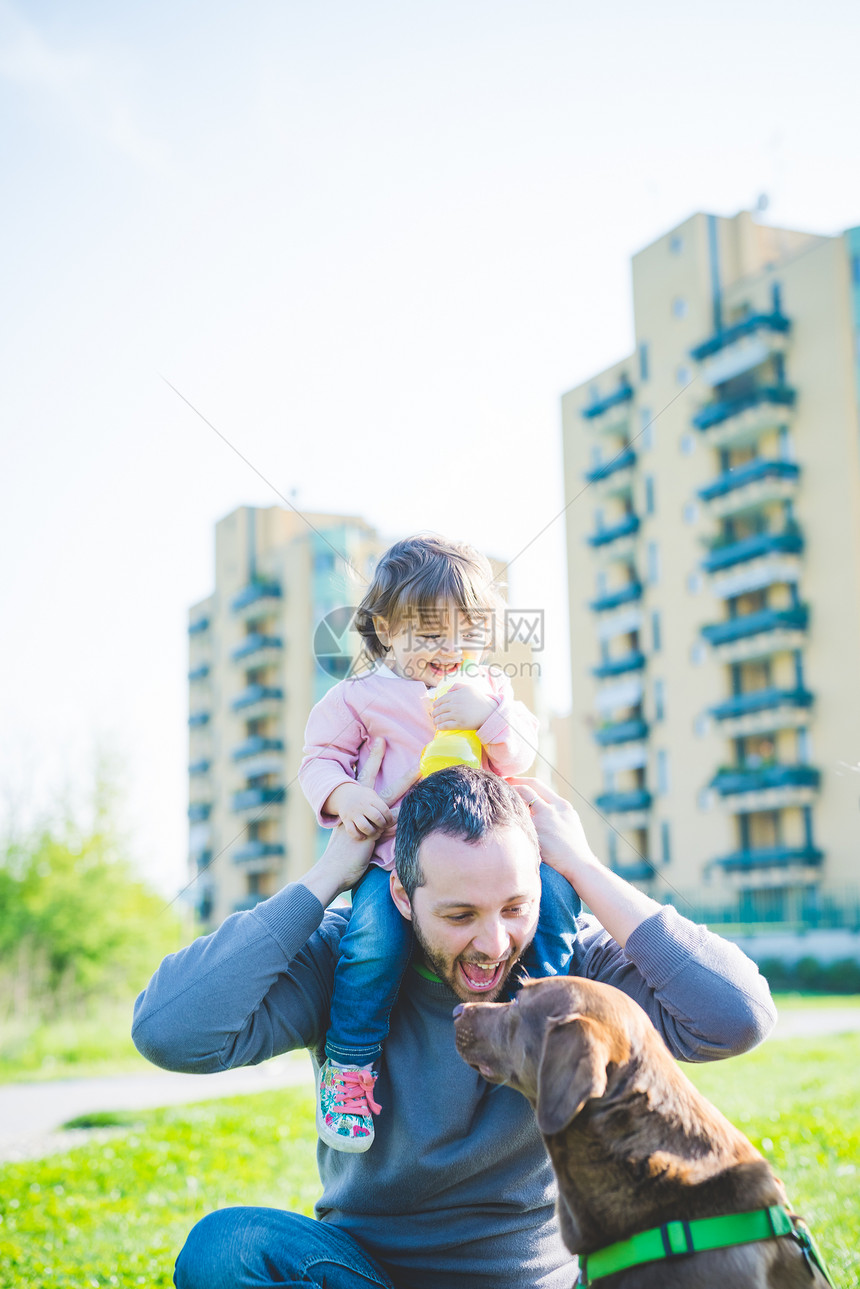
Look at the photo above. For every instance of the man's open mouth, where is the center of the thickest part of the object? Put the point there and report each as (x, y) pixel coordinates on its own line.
(481, 976)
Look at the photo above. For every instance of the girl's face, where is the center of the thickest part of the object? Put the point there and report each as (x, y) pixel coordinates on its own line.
(436, 645)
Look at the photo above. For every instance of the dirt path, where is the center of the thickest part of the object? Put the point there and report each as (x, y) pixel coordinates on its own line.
(31, 1114)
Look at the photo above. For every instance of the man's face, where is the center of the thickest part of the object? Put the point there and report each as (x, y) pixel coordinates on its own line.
(477, 910)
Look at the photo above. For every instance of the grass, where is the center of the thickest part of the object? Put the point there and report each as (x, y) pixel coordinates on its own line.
(100, 1043)
(117, 1212)
(78, 1046)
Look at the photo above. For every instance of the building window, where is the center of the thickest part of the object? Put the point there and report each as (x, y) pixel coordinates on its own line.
(688, 444)
(691, 512)
(653, 562)
(649, 494)
(700, 726)
(679, 307)
(676, 244)
(665, 842)
(804, 752)
(643, 362)
(694, 583)
(662, 772)
(698, 653)
(655, 631)
(647, 432)
(684, 375)
(659, 700)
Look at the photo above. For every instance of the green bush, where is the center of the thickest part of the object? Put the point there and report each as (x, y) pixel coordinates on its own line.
(80, 934)
(811, 976)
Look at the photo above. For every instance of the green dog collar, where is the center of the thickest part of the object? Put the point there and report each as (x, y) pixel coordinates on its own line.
(674, 1239)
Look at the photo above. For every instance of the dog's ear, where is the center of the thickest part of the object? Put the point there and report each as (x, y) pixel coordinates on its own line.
(572, 1070)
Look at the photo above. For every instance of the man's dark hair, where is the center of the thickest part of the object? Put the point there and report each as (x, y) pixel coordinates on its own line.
(459, 802)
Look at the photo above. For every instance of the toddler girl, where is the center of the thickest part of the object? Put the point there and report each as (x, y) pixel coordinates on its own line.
(427, 617)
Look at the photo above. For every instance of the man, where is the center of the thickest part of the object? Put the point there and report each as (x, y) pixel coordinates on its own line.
(457, 1192)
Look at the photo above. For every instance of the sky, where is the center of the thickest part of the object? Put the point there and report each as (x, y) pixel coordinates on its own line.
(371, 244)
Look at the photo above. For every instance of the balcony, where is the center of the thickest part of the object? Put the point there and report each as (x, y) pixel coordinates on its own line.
(254, 644)
(197, 720)
(254, 593)
(199, 673)
(633, 661)
(742, 347)
(775, 322)
(728, 553)
(761, 700)
(622, 395)
(255, 850)
(751, 484)
(621, 732)
(742, 420)
(612, 803)
(757, 635)
(199, 811)
(254, 694)
(253, 798)
(623, 461)
(198, 626)
(203, 859)
(764, 777)
(198, 767)
(615, 599)
(744, 861)
(626, 528)
(638, 870)
(254, 745)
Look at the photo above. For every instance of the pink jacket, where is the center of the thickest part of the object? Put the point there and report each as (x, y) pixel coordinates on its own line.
(343, 724)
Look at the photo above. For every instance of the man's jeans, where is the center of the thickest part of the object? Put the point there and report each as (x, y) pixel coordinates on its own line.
(234, 1248)
(374, 954)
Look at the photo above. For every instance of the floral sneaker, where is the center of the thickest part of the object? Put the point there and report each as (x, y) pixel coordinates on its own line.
(344, 1105)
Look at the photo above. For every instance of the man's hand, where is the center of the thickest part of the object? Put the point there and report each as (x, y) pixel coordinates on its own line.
(360, 809)
(344, 861)
(563, 843)
(463, 707)
(620, 907)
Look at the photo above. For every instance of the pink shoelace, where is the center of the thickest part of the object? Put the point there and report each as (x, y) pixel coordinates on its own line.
(355, 1093)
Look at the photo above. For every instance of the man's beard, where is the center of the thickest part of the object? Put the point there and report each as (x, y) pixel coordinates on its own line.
(447, 971)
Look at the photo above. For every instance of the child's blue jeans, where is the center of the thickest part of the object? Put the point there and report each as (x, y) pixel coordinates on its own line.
(377, 945)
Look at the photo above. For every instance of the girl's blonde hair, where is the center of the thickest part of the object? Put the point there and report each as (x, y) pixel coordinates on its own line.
(414, 575)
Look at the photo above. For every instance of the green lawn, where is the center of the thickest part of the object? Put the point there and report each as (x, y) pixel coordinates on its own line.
(116, 1213)
(100, 1043)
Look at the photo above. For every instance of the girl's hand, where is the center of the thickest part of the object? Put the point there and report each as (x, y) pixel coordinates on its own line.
(345, 859)
(360, 809)
(463, 708)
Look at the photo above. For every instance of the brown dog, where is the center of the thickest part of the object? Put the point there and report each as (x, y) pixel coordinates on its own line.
(632, 1142)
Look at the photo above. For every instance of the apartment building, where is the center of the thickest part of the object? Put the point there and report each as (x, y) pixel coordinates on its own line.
(263, 648)
(713, 535)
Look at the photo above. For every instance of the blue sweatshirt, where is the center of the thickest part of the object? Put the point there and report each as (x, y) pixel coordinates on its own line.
(457, 1191)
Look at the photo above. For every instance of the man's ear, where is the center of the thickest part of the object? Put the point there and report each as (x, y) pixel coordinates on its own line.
(401, 899)
(572, 1070)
